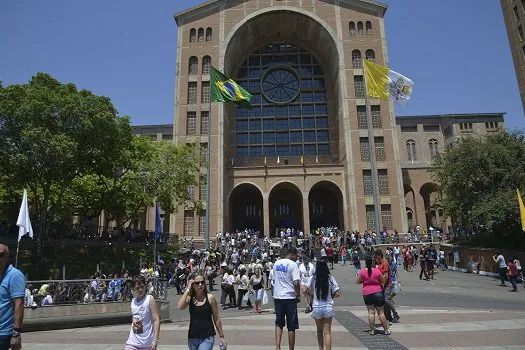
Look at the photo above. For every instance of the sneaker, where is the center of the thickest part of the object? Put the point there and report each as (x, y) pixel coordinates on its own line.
(395, 319)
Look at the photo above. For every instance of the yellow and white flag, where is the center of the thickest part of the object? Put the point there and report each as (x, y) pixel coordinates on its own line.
(386, 84)
(522, 210)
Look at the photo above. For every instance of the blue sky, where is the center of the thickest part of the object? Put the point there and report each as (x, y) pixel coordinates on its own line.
(456, 52)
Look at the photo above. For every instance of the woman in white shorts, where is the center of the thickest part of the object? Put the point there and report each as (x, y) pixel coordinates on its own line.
(257, 283)
(323, 289)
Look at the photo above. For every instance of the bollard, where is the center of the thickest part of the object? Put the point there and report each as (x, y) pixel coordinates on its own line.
(63, 272)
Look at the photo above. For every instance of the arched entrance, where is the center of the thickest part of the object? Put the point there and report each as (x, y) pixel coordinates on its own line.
(246, 208)
(286, 209)
(325, 202)
(430, 194)
(411, 210)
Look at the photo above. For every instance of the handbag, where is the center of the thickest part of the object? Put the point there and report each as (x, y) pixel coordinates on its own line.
(265, 298)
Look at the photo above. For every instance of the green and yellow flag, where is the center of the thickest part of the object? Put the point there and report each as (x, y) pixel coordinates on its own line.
(522, 210)
(224, 89)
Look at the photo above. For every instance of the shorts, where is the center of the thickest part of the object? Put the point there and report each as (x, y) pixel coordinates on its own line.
(375, 299)
(201, 344)
(258, 293)
(286, 309)
(321, 312)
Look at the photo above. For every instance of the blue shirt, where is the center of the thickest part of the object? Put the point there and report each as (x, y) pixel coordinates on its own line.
(12, 286)
(393, 271)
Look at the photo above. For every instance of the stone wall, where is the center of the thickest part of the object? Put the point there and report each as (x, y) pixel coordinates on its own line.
(483, 256)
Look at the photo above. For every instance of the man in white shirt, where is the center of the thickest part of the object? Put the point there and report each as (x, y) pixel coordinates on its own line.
(286, 280)
(306, 269)
(502, 265)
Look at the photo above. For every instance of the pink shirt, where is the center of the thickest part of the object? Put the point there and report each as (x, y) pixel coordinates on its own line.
(372, 283)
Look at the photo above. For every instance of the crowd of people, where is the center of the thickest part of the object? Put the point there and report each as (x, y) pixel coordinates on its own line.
(253, 271)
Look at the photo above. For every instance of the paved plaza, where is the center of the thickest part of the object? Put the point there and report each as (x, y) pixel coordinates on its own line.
(455, 311)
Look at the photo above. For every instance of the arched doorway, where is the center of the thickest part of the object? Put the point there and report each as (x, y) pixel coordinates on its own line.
(286, 209)
(325, 202)
(430, 194)
(410, 202)
(246, 208)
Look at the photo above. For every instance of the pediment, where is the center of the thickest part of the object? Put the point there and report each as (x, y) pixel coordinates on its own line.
(209, 7)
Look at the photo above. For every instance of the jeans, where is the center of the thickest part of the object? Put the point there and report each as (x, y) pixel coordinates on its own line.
(201, 343)
(513, 281)
(390, 302)
(5, 342)
(503, 274)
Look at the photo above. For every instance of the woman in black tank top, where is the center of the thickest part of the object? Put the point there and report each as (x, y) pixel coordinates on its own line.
(257, 282)
(204, 314)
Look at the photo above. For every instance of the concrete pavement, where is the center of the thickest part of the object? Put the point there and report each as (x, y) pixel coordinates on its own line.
(455, 311)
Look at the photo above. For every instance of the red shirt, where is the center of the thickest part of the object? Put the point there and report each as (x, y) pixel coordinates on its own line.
(330, 251)
(384, 267)
(513, 270)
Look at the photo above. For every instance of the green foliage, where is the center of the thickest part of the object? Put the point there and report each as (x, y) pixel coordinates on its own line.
(77, 156)
(478, 178)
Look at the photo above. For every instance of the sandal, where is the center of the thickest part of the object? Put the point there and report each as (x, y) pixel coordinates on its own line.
(372, 332)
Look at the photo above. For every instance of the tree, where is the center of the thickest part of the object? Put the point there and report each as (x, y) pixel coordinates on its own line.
(50, 135)
(478, 178)
(148, 173)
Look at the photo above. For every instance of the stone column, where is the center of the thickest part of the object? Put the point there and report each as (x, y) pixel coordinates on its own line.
(266, 214)
(421, 218)
(306, 214)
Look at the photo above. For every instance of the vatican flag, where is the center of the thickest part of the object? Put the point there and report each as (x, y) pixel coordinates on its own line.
(522, 210)
(386, 84)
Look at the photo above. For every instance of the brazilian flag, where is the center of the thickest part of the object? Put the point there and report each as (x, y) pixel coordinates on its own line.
(223, 89)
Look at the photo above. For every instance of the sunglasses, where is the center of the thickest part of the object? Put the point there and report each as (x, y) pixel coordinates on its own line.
(198, 283)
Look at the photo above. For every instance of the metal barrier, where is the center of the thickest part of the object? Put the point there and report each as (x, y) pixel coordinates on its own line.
(85, 291)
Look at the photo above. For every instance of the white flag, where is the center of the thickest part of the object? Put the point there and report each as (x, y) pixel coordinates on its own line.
(278, 160)
(23, 221)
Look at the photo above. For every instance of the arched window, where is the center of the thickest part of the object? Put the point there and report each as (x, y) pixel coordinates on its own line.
(433, 146)
(201, 35)
(370, 55)
(208, 34)
(193, 66)
(410, 217)
(360, 28)
(356, 59)
(193, 35)
(368, 26)
(352, 28)
(411, 151)
(206, 64)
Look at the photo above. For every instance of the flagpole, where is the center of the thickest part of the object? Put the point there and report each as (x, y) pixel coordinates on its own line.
(17, 247)
(208, 179)
(375, 184)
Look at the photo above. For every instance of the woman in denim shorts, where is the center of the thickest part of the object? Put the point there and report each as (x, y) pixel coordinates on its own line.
(372, 280)
(322, 288)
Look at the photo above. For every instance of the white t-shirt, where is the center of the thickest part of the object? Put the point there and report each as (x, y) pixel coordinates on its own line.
(285, 272)
(333, 287)
(305, 274)
(141, 333)
(500, 260)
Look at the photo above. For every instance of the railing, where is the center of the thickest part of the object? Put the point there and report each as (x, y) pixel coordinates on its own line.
(86, 291)
(271, 162)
